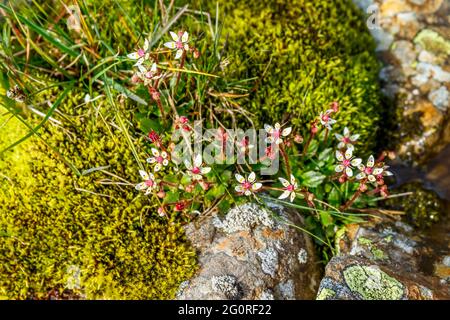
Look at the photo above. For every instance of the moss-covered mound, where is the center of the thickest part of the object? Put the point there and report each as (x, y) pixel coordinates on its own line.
(59, 231)
(305, 53)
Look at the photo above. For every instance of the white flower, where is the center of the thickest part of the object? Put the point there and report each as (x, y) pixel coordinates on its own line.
(276, 133)
(346, 140)
(149, 183)
(289, 188)
(196, 170)
(179, 43)
(247, 185)
(326, 120)
(141, 55)
(347, 161)
(160, 158)
(146, 76)
(372, 174)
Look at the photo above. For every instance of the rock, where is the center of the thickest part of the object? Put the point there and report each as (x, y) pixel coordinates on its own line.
(440, 98)
(382, 38)
(425, 6)
(430, 116)
(405, 54)
(432, 41)
(382, 261)
(391, 7)
(251, 253)
(408, 25)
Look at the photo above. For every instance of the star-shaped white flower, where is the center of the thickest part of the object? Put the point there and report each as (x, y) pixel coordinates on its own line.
(160, 158)
(326, 120)
(346, 140)
(248, 185)
(347, 162)
(276, 134)
(140, 55)
(196, 170)
(179, 43)
(146, 76)
(289, 188)
(372, 173)
(149, 183)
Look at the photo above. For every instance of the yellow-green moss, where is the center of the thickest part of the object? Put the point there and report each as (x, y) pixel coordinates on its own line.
(49, 223)
(306, 53)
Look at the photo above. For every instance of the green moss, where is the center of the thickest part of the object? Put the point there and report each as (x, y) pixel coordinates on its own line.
(325, 294)
(305, 53)
(52, 221)
(372, 283)
(422, 208)
(432, 41)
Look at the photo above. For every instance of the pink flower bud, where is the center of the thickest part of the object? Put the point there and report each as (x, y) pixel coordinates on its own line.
(161, 194)
(314, 129)
(161, 212)
(196, 53)
(298, 138)
(135, 79)
(342, 178)
(363, 187)
(335, 106)
(204, 185)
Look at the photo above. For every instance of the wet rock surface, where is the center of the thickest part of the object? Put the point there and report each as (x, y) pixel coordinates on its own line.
(413, 43)
(388, 261)
(251, 253)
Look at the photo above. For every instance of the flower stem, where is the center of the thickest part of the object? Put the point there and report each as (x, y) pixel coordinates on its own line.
(305, 148)
(286, 160)
(353, 199)
(183, 59)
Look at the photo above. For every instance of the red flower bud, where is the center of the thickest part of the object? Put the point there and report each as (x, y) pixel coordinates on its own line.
(179, 206)
(342, 178)
(335, 106)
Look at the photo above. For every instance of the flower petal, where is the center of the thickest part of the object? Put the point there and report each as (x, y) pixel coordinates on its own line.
(164, 154)
(284, 195)
(157, 167)
(146, 45)
(151, 160)
(339, 168)
(170, 45)
(286, 132)
(292, 196)
(354, 137)
(198, 160)
(179, 53)
(174, 36)
(348, 153)
(144, 175)
(341, 145)
(377, 171)
(360, 176)
(268, 128)
(387, 173)
(247, 192)
(284, 182)
(346, 132)
(239, 188)
(251, 177)
(256, 186)
(205, 170)
(188, 164)
(372, 178)
(339, 136)
(148, 191)
(140, 186)
(155, 152)
(356, 162)
(370, 162)
(133, 55)
(185, 37)
(293, 182)
(349, 172)
(239, 178)
(339, 156)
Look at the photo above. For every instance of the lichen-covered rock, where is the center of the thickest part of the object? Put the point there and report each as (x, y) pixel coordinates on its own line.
(251, 254)
(384, 262)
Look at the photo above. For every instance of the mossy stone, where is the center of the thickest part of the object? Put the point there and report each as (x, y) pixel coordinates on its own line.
(305, 54)
(53, 221)
(372, 283)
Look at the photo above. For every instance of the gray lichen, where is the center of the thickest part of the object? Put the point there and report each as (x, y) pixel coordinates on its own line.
(286, 289)
(228, 285)
(269, 261)
(302, 256)
(244, 218)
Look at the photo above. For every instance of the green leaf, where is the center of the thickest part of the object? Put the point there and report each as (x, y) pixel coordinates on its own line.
(326, 218)
(325, 154)
(312, 179)
(172, 196)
